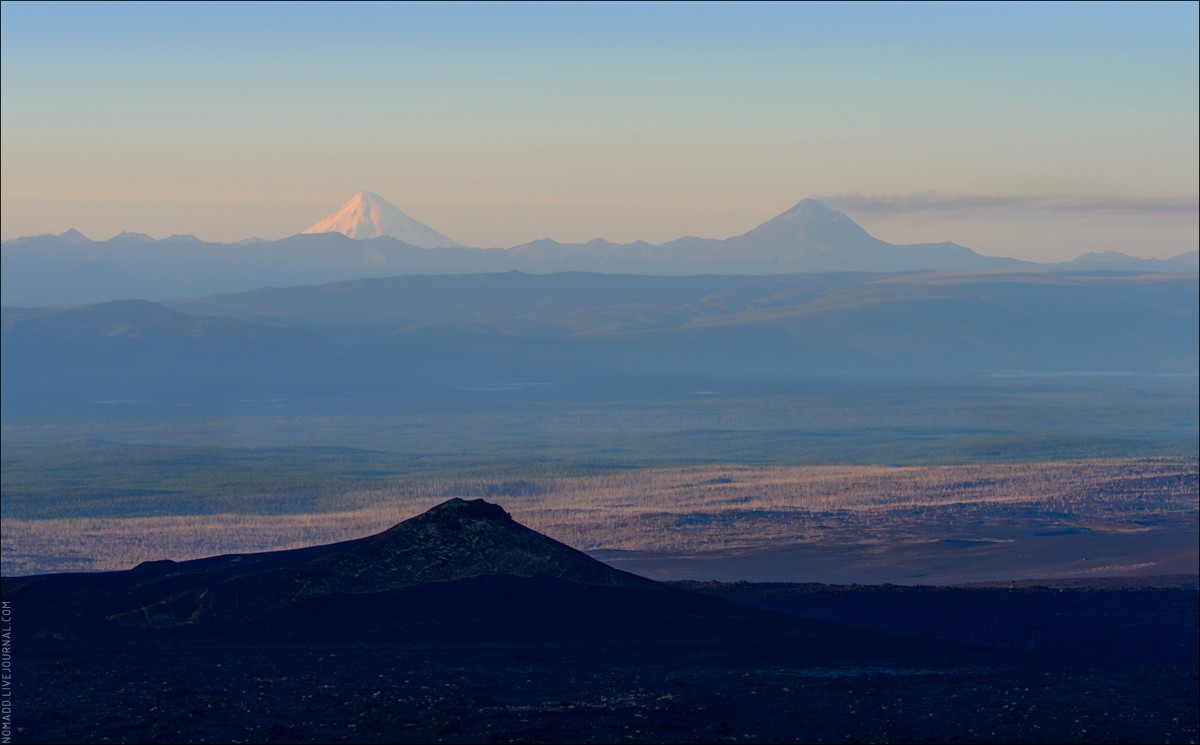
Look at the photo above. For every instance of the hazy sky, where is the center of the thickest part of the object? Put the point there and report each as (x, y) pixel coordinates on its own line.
(1032, 130)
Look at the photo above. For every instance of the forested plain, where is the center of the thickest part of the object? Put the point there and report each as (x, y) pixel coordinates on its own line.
(965, 480)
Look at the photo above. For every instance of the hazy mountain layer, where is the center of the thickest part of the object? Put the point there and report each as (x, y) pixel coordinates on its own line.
(422, 340)
(69, 268)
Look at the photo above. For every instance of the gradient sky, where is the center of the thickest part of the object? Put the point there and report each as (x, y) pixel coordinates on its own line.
(1032, 130)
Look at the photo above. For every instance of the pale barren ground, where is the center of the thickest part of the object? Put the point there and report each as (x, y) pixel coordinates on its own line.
(916, 524)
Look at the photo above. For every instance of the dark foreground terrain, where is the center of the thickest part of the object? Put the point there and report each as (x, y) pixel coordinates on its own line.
(460, 625)
(730, 693)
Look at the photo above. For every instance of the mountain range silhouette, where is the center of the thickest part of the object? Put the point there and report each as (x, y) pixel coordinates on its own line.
(369, 237)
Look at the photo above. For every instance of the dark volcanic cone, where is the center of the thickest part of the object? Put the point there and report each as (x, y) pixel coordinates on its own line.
(462, 570)
(456, 540)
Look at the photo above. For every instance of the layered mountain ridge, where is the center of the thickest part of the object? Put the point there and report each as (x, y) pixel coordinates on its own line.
(370, 238)
(411, 342)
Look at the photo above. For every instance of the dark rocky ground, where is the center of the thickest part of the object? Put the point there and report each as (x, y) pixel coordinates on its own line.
(1106, 665)
(461, 625)
(573, 695)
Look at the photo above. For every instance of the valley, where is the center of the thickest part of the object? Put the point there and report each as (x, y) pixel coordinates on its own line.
(820, 480)
(847, 524)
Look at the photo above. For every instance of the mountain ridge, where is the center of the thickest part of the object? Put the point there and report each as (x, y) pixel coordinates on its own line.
(808, 237)
(418, 341)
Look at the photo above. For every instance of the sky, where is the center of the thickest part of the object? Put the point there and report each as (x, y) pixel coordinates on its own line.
(1040, 131)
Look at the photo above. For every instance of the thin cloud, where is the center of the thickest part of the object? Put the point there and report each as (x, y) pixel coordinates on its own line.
(900, 204)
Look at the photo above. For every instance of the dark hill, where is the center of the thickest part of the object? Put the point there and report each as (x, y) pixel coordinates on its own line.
(461, 571)
(456, 540)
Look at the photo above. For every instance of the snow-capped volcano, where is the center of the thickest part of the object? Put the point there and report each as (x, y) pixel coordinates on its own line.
(369, 215)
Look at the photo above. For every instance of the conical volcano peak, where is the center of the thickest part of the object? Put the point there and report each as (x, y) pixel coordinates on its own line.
(812, 224)
(812, 210)
(456, 539)
(367, 215)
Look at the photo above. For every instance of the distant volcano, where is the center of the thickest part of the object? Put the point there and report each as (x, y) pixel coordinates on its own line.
(812, 237)
(369, 215)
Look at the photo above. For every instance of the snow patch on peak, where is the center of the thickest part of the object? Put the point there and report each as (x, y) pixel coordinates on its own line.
(367, 215)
